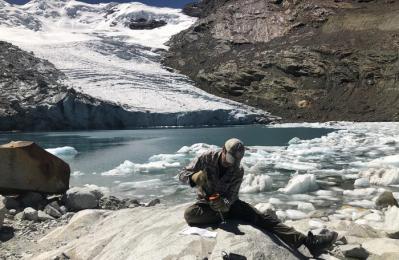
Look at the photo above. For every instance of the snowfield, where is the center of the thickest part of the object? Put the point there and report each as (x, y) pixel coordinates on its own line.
(101, 56)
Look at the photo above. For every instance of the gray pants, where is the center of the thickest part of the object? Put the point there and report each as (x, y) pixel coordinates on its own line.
(202, 214)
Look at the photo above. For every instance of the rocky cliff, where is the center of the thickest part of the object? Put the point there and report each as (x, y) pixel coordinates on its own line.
(314, 60)
(34, 96)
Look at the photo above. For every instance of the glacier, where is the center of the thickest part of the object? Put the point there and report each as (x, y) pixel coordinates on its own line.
(103, 58)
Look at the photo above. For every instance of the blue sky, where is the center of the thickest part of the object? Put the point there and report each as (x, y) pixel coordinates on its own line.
(169, 3)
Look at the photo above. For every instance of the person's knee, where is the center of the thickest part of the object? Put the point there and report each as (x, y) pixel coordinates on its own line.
(197, 215)
(189, 216)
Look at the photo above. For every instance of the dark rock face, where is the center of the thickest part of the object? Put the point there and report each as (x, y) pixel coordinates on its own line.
(144, 24)
(302, 60)
(202, 8)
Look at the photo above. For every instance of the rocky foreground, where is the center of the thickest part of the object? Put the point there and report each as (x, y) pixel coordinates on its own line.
(88, 223)
(317, 60)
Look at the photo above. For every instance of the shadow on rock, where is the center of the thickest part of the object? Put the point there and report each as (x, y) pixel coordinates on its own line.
(6, 233)
(231, 227)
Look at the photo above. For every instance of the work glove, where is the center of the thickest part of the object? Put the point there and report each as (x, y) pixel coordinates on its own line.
(200, 178)
(220, 204)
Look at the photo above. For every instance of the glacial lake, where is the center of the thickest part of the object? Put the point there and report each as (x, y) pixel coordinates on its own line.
(144, 163)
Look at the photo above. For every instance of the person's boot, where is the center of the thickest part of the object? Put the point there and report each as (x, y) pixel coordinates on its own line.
(318, 244)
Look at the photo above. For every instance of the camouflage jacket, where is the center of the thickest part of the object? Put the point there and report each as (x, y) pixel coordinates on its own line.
(226, 183)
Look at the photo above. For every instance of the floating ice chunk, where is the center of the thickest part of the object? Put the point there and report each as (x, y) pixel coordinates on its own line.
(296, 165)
(373, 217)
(362, 182)
(66, 152)
(382, 176)
(139, 184)
(350, 176)
(367, 204)
(264, 207)
(127, 167)
(360, 192)
(325, 193)
(197, 149)
(77, 173)
(294, 140)
(392, 160)
(306, 206)
(295, 214)
(300, 184)
(314, 224)
(275, 201)
(359, 214)
(391, 219)
(281, 215)
(167, 158)
(304, 197)
(256, 183)
(100, 190)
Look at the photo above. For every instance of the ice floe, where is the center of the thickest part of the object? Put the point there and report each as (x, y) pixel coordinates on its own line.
(66, 152)
(382, 176)
(300, 184)
(256, 183)
(128, 167)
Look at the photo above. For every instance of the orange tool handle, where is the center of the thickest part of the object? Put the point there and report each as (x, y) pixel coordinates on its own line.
(214, 197)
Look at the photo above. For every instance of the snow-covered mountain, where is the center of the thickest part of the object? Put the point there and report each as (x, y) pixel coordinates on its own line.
(112, 52)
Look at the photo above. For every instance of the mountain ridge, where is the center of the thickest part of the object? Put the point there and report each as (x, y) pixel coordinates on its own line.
(301, 60)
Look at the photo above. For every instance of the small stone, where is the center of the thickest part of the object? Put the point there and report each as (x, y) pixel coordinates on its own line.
(354, 251)
(385, 200)
(19, 216)
(30, 214)
(52, 211)
(63, 210)
(153, 203)
(12, 212)
(113, 203)
(43, 216)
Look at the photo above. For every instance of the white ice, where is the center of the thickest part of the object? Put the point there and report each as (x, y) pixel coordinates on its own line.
(128, 167)
(256, 183)
(300, 184)
(66, 152)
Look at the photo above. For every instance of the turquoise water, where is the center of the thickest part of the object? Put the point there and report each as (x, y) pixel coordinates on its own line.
(102, 151)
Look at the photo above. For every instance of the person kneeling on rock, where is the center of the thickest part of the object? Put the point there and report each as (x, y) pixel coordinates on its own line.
(218, 176)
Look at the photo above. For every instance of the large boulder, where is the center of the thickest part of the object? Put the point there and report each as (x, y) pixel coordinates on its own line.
(152, 233)
(27, 167)
(3, 210)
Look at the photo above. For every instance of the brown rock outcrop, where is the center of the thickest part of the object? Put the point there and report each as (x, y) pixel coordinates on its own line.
(27, 167)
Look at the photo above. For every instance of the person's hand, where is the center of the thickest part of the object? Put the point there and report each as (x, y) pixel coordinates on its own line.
(220, 204)
(200, 178)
